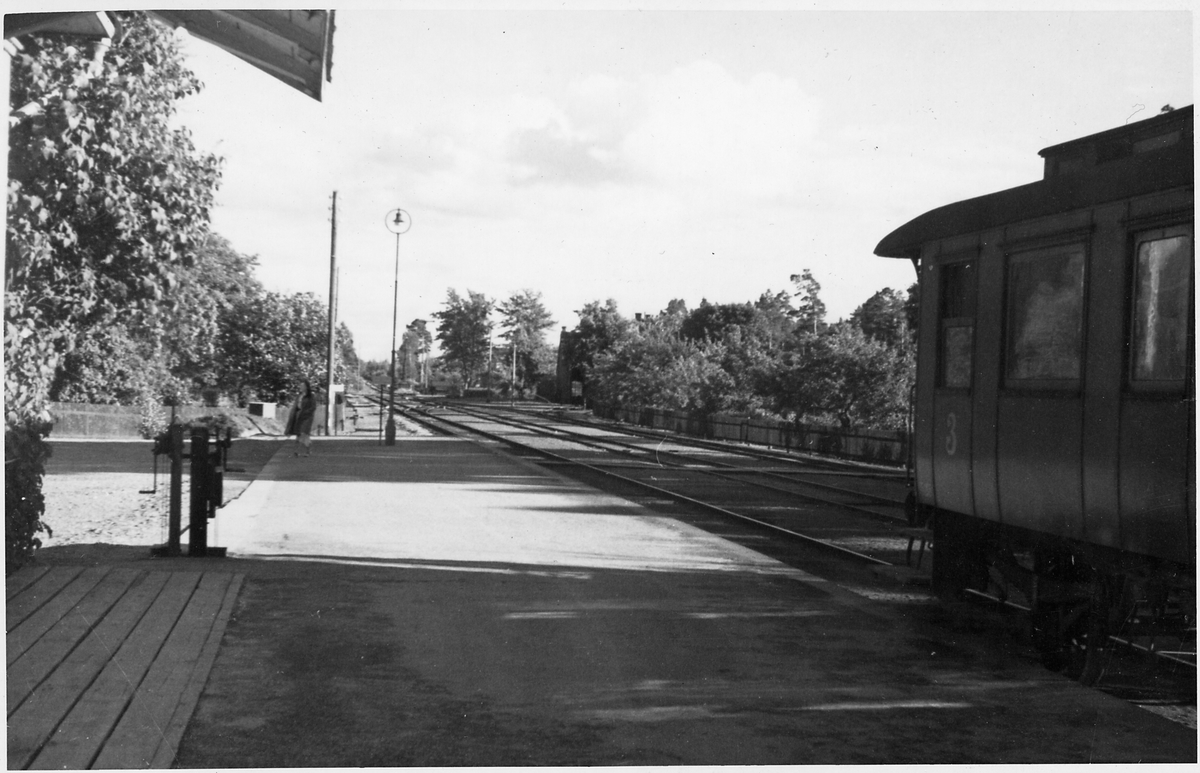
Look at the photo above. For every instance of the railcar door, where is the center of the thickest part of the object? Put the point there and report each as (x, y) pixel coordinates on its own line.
(1157, 482)
(1040, 411)
(951, 448)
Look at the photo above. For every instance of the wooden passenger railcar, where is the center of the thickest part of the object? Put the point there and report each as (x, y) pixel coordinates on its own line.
(1055, 424)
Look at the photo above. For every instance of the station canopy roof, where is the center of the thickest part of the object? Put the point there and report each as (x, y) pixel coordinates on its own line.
(294, 46)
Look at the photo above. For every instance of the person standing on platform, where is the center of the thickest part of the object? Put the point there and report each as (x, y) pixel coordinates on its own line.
(301, 420)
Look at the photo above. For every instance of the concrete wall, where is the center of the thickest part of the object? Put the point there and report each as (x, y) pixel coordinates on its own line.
(116, 421)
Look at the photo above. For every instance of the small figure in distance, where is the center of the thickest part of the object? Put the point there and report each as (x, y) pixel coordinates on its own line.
(301, 419)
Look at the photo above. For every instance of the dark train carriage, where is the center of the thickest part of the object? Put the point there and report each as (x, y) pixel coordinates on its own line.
(1055, 434)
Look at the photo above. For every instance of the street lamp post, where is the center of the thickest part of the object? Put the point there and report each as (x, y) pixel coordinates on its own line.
(397, 221)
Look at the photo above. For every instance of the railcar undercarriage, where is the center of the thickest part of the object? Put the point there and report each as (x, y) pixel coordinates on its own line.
(1081, 601)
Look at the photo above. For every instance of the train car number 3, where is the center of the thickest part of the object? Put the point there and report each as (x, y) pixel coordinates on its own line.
(951, 433)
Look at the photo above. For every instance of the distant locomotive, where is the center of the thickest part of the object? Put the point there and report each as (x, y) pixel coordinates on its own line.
(1055, 424)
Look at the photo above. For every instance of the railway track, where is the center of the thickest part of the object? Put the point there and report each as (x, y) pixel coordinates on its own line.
(857, 514)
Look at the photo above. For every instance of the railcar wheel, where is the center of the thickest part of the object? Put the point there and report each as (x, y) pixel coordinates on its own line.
(1102, 604)
(1059, 633)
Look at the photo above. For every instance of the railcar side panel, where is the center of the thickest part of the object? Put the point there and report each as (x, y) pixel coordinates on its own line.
(1039, 446)
(952, 452)
(1154, 475)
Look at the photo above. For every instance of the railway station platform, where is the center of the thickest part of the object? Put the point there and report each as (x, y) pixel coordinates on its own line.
(441, 603)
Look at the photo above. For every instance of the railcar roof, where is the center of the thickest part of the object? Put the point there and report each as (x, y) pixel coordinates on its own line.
(1136, 174)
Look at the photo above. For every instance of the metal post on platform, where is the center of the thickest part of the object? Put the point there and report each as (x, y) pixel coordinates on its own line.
(329, 367)
(398, 222)
(175, 517)
(198, 518)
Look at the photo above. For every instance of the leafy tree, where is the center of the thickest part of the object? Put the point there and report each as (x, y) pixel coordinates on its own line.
(220, 279)
(676, 310)
(775, 318)
(176, 358)
(882, 317)
(345, 358)
(271, 342)
(709, 321)
(845, 376)
(105, 200)
(600, 327)
(378, 372)
(119, 364)
(655, 367)
(912, 308)
(810, 310)
(464, 332)
(526, 321)
(416, 341)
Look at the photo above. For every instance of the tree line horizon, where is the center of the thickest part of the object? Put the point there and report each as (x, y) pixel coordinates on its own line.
(767, 357)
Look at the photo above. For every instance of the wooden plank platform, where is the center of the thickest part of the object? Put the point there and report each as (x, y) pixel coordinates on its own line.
(105, 666)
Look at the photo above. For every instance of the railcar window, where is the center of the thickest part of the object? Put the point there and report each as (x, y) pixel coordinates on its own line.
(1045, 316)
(1162, 287)
(956, 314)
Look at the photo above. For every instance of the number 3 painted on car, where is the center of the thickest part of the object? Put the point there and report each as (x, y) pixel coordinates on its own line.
(951, 434)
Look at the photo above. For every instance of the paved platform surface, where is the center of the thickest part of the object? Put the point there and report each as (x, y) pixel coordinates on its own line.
(434, 499)
(435, 603)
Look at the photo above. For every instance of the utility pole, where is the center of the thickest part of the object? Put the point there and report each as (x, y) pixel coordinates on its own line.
(329, 401)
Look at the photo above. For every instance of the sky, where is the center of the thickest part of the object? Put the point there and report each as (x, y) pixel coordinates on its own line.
(648, 155)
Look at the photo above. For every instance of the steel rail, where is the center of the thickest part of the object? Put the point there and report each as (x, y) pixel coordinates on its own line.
(726, 447)
(631, 449)
(650, 487)
(855, 468)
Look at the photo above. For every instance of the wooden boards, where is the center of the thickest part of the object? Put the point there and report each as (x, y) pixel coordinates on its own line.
(106, 665)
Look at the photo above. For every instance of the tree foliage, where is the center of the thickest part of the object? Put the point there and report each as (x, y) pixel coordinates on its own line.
(882, 317)
(415, 343)
(654, 366)
(756, 358)
(810, 309)
(709, 321)
(106, 201)
(177, 358)
(842, 376)
(464, 332)
(525, 321)
(273, 341)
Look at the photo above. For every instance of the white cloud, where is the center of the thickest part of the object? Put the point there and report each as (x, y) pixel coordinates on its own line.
(696, 131)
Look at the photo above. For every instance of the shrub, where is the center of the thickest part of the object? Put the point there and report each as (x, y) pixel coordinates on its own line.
(25, 455)
(217, 422)
(152, 421)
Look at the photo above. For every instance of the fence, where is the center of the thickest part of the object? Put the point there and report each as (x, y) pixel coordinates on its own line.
(886, 446)
(80, 420)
